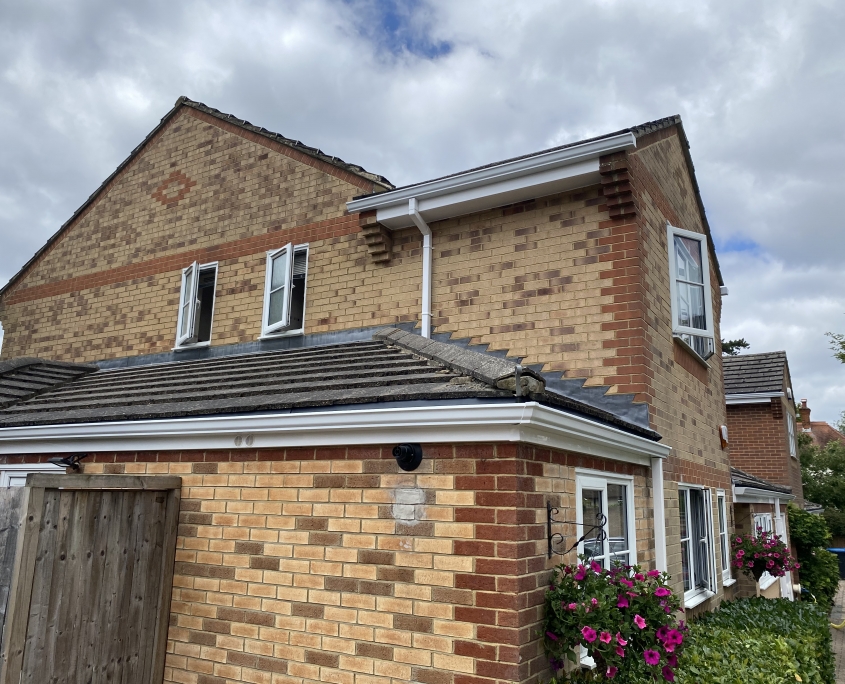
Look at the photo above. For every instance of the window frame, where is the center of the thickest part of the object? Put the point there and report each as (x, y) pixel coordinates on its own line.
(724, 537)
(7, 471)
(679, 330)
(791, 432)
(187, 341)
(281, 329)
(696, 595)
(596, 479)
(766, 580)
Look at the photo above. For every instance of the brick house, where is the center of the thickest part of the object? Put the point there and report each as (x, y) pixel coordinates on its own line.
(269, 322)
(766, 470)
(819, 431)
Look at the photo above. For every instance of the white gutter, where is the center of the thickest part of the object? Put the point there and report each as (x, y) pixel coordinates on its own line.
(751, 398)
(757, 495)
(658, 501)
(426, 265)
(527, 422)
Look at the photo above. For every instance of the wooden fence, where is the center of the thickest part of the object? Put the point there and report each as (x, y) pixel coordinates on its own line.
(91, 582)
(12, 501)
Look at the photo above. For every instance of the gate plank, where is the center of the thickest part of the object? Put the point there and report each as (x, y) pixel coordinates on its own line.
(12, 502)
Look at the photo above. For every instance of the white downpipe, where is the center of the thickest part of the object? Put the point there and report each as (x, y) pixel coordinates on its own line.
(659, 513)
(418, 220)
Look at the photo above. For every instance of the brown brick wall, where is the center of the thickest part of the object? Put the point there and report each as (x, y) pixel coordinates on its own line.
(333, 565)
(759, 443)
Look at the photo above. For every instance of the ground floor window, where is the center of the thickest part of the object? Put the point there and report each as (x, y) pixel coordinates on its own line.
(605, 518)
(762, 523)
(697, 561)
(724, 541)
(15, 475)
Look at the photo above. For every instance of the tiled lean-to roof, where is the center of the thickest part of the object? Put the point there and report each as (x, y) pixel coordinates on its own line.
(739, 478)
(393, 366)
(24, 378)
(753, 373)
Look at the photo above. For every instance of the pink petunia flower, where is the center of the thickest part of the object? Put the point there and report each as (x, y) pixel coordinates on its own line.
(551, 636)
(627, 583)
(622, 602)
(739, 540)
(605, 637)
(572, 606)
(581, 574)
(667, 673)
(595, 567)
(651, 657)
(661, 633)
(620, 640)
(611, 672)
(639, 577)
(675, 636)
(740, 553)
(653, 573)
(620, 651)
(661, 592)
(588, 633)
(750, 564)
(594, 601)
(672, 660)
(639, 621)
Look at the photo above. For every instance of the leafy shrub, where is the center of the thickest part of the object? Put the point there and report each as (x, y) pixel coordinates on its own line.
(819, 567)
(624, 618)
(758, 641)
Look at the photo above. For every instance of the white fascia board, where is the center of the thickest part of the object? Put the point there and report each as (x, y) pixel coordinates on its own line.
(751, 398)
(755, 495)
(495, 185)
(518, 422)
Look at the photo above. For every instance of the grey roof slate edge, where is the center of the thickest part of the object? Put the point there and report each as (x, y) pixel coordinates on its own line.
(742, 479)
(295, 144)
(620, 411)
(22, 361)
(621, 405)
(295, 342)
(754, 373)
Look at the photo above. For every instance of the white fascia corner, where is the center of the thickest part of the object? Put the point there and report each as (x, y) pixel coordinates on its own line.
(527, 422)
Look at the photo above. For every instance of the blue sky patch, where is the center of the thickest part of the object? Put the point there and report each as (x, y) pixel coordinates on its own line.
(395, 26)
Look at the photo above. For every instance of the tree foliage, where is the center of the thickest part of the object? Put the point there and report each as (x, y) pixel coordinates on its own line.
(819, 567)
(823, 476)
(837, 344)
(733, 347)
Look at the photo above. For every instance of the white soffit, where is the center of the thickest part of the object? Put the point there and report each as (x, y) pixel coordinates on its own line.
(494, 186)
(755, 495)
(751, 398)
(527, 422)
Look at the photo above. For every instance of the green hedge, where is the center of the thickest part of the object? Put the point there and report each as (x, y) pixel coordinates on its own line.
(759, 641)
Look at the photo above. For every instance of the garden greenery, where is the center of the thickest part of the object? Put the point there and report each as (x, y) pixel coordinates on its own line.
(625, 620)
(819, 567)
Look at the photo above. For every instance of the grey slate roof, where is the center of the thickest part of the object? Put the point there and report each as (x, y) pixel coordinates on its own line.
(752, 373)
(395, 366)
(25, 377)
(742, 479)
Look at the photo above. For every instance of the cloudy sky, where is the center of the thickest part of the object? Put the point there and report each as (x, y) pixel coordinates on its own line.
(412, 90)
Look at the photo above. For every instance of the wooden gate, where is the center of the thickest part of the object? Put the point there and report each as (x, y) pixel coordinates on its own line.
(12, 502)
(90, 597)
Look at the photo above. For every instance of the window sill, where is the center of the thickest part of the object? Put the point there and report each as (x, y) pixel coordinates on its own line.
(186, 347)
(728, 582)
(698, 599)
(695, 355)
(286, 333)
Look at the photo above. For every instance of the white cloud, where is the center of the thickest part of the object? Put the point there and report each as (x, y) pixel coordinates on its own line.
(415, 90)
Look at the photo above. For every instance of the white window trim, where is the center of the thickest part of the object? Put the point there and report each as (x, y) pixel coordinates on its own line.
(678, 330)
(791, 431)
(766, 580)
(8, 470)
(694, 596)
(722, 505)
(279, 330)
(181, 346)
(596, 479)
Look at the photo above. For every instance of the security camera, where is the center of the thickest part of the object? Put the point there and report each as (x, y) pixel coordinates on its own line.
(408, 456)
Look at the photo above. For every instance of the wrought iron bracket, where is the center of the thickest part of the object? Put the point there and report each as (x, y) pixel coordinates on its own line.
(556, 538)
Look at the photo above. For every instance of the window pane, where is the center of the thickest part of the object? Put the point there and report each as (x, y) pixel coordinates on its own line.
(685, 565)
(691, 306)
(682, 505)
(277, 306)
(280, 270)
(723, 532)
(617, 517)
(698, 529)
(688, 259)
(187, 302)
(591, 509)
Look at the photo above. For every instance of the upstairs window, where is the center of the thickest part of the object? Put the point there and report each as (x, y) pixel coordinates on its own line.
(790, 429)
(284, 291)
(196, 305)
(692, 308)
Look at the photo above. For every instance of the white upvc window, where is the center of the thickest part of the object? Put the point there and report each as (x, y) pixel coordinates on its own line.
(284, 291)
(196, 305)
(610, 498)
(790, 428)
(763, 522)
(724, 539)
(692, 301)
(15, 475)
(697, 554)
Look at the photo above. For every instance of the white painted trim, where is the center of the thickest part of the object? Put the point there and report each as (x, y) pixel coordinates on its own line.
(721, 496)
(751, 398)
(697, 599)
(527, 422)
(10, 469)
(754, 495)
(671, 232)
(495, 186)
(658, 501)
(419, 222)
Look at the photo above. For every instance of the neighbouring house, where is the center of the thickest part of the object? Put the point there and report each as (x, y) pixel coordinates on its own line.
(762, 430)
(820, 432)
(274, 325)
